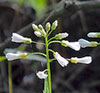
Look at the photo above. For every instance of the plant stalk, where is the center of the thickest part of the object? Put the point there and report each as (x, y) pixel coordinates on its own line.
(48, 64)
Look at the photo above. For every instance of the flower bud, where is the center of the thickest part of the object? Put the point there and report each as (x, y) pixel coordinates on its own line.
(54, 25)
(42, 30)
(94, 34)
(38, 34)
(61, 35)
(48, 25)
(35, 27)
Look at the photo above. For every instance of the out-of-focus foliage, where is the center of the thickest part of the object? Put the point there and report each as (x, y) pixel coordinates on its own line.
(40, 6)
(2, 58)
(19, 2)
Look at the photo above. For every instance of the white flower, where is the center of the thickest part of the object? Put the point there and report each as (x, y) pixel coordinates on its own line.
(13, 56)
(41, 74)
(85, 60)
(19, 39)
(84, 43)
(37, 33)
(61, 35)
(73, 45)
(62, 61)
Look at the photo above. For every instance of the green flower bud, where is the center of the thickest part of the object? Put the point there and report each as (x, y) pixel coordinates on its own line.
(61, 36)
(94, 34)
(42, 30)
(35, 27)
(54, 25)
(48, 25)
(38, 33)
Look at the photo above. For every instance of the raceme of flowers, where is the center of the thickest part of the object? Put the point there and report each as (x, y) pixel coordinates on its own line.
(39, 31)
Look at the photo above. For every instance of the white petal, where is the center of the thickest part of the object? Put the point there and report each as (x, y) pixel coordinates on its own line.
(92, 34)
(41, 75)
(85, 60)
(62, 61)
(17, 38)
(12, 56)
(84, 43)
(37, 33)
(74, 45)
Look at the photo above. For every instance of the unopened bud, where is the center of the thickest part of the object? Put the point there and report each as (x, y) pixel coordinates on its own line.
(94, 34)
(48, 25)
(38, 34)
(61, 35)
(54, 25)
(42, 30)
(35, 27)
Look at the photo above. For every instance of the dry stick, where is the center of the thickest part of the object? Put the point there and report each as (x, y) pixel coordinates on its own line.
(69, 6)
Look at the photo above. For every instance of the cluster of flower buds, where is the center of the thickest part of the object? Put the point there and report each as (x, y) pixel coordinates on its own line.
(39, 31)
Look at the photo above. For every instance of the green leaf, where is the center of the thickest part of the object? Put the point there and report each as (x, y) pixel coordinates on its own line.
(2, 58)
(46, 89)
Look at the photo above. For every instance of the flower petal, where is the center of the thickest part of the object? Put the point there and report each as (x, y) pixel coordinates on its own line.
(74, 45)
(12, 56)
(84, 43)
(41, 75)
(62, 61)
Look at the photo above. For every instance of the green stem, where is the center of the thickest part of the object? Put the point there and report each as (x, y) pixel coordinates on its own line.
(10, 77)
(48, 65)
(54, 42)
(50, 32)
(51, 50)
(51, 38)
(39, 53)
(52, 60)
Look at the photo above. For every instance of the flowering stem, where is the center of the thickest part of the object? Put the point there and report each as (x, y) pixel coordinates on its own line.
(54, 42)
(39, 53)
(10, 77)
(50, 32)
(51, 38)
(51, 50)
(48, 64)
(52, 60)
